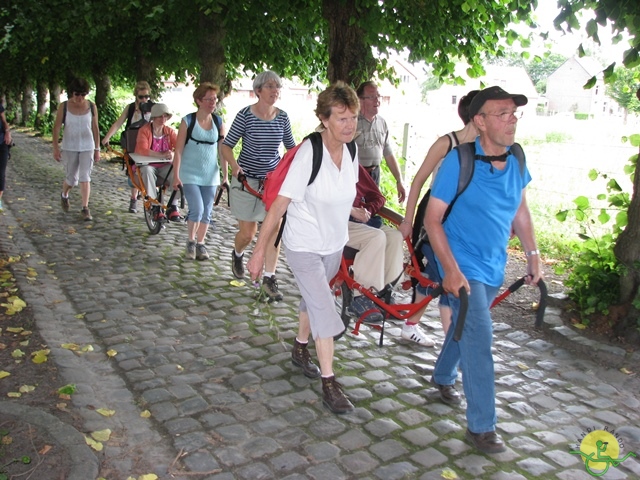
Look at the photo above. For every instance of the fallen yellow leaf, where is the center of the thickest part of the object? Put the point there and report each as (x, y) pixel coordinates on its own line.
(17, 353)
(625, 371)
(101, 435)
(14, 329)
(70, 346)
(105, 412)
(80, 315)
(97, 446)
(148, 476)
(40, 356)
(449, 474)
(145, 414)
(14, 394)
(4, 374)
(87, 348)
(27, 388)
(112, 353)
(237, 283)
(580, 326)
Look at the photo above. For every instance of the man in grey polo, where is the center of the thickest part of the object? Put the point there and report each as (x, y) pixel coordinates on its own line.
(372, 138)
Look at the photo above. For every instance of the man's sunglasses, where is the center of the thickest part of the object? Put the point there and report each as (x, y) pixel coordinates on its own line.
(142, 97)
(80, 94)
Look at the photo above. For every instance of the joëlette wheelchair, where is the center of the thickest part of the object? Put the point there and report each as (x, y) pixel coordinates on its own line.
(154, 208)
(344, 285)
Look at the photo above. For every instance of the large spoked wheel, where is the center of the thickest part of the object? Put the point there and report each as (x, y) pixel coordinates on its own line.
(343, 297)
(151, 213)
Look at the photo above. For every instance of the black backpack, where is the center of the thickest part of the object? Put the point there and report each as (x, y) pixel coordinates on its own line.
(285, 163)
(467, 158)
(129, 135)
(217, 121)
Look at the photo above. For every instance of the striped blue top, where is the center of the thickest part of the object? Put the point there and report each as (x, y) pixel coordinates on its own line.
(261, 140)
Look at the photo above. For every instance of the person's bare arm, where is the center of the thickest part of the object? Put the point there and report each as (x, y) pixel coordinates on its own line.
(177, 156)
(453, 278)
(116, 125)
(434, 155)
(270, 223)
(57, 126)
(95, 128)
(227, 156)
(523, 228)
(7, 130)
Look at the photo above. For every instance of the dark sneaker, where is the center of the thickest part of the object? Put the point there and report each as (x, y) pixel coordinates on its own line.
(270, 288)
(237, 265)
(133, 205)
(191, 249)
(488, 442)
(65, 203)
(362, 305)
(448, 393)
(174, 214)
(201, 252)
(86, 214)
(333, 397)
(301, 357)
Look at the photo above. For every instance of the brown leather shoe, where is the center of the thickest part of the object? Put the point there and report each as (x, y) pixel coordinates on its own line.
(333, 396)
(300, 357)
(487, 442)
(448, 393)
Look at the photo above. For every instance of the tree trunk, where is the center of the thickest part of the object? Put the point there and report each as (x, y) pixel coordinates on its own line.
(54, 98)
(41, 108)
(26, 105)
(350, 57)
(146, 71)
(211, 35)
(103, 87)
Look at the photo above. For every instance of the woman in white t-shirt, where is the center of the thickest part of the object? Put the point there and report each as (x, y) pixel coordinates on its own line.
(80, 143)
(316, 232)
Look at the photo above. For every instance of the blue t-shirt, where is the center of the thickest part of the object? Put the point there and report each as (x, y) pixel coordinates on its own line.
(479, 224)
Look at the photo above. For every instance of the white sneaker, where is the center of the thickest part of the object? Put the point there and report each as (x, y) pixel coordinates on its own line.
(415, 334)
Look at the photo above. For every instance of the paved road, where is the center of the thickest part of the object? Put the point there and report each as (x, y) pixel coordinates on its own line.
(212, 363)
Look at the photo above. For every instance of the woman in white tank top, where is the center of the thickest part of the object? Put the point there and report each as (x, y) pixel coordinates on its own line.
(80, 143)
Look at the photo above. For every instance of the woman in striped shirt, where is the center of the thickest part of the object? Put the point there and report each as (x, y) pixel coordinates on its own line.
(262, 128)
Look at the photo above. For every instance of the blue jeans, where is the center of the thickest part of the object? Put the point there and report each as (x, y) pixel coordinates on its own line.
(200, 200)
(473, 354)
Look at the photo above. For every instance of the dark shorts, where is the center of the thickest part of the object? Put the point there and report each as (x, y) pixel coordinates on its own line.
(431, 272)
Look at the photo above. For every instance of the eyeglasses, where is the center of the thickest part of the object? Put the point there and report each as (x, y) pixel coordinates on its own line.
(142, 97)
(80, 94)
(372, 97)
(209, 99)
(272, 87)
(505, 116)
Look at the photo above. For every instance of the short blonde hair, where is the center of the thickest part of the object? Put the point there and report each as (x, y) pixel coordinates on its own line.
(202, 90)
(337, 95)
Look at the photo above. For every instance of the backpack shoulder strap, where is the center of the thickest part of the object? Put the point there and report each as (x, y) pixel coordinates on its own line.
(93, 113)
(190, 124)
(316, 143)
(518, 152)
(466, 158)
(64, 112)
(217, 121)
(351, 146)
(130, 111)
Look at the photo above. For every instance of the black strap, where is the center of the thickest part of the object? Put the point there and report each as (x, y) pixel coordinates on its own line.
(191, 123)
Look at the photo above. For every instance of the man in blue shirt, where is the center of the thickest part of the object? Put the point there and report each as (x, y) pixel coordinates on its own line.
(471, 253)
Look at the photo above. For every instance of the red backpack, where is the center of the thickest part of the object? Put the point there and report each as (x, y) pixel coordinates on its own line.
(274, 178)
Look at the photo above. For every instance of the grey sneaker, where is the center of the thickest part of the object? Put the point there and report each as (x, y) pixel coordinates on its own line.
(86, 214)
(133, 205)
(201, 252)
(191, 249)
(237, 265)
(270, 288)
(65, 203)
